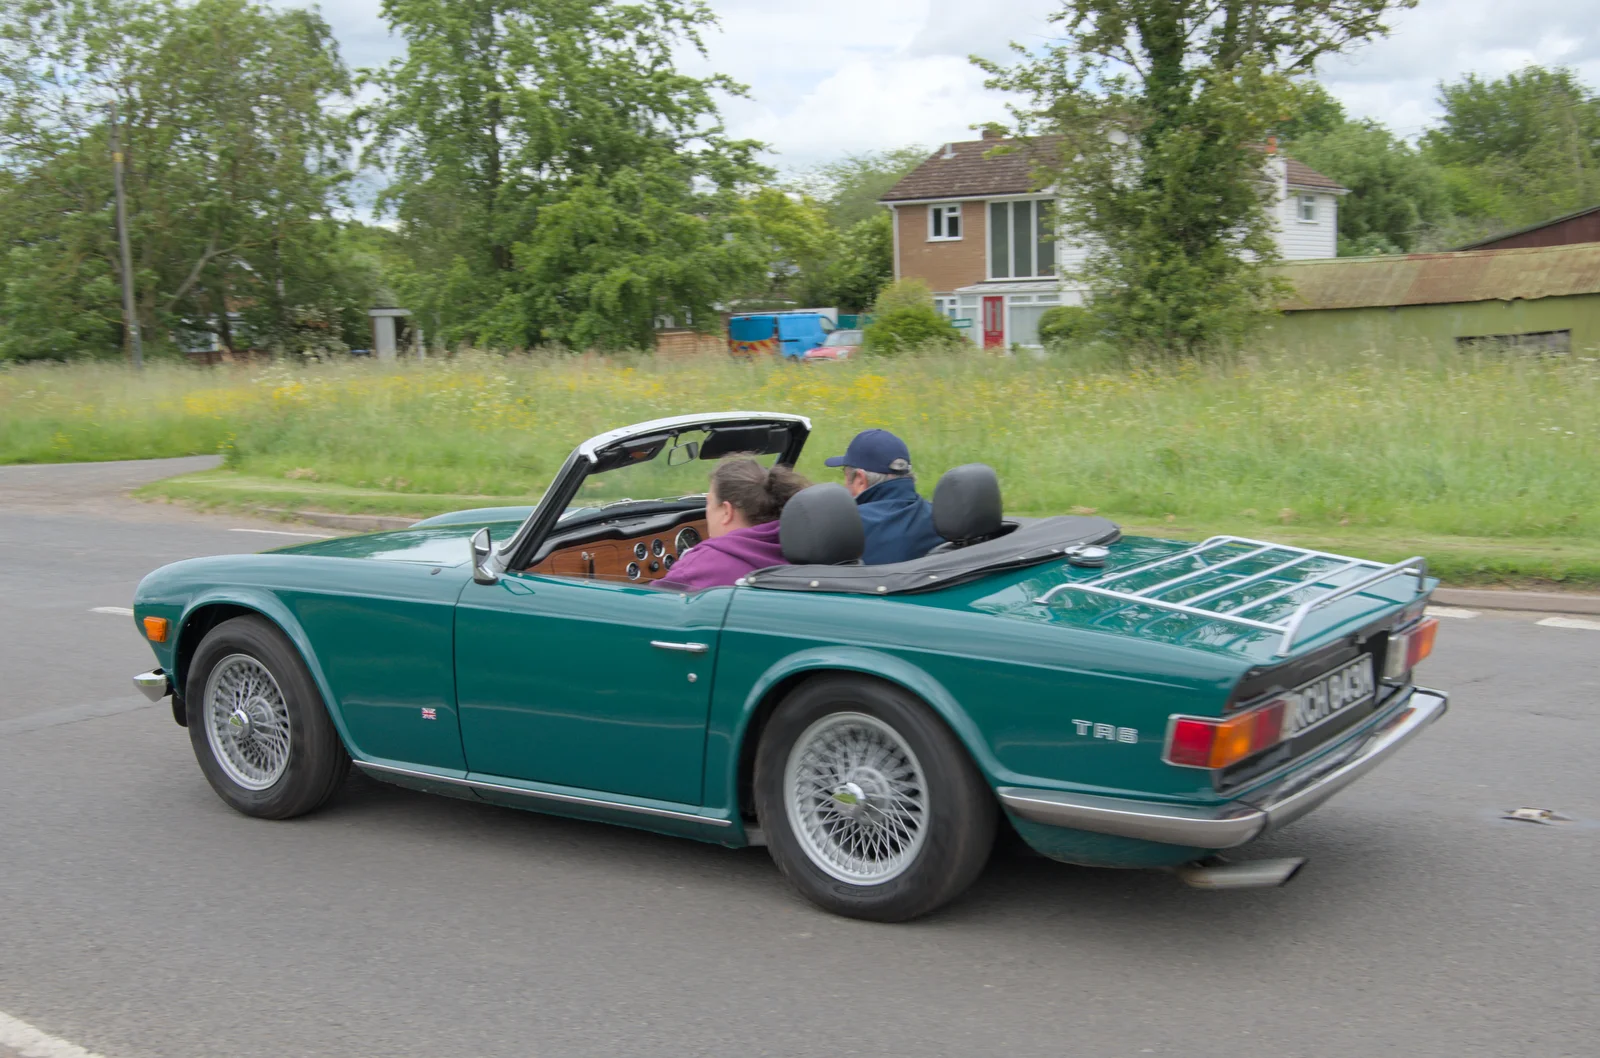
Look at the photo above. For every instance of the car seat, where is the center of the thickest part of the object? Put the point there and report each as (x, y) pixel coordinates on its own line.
(967, 508)
(821, 526)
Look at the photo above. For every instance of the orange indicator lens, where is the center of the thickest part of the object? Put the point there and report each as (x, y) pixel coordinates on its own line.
(155, 629)
(1420, 643)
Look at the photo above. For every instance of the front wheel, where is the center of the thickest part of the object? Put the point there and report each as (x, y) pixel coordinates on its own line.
(871, 807)
(257, 723)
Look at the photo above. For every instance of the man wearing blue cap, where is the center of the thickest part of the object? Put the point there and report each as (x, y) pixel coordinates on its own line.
(898, 522)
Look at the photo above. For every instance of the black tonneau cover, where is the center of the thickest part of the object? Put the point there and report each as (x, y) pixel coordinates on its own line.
(1032, 542)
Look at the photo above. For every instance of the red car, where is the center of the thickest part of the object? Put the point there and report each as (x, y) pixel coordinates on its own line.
(840, 345)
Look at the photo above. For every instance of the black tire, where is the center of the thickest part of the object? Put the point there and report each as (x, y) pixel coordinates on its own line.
(958, 826)
(317, 761)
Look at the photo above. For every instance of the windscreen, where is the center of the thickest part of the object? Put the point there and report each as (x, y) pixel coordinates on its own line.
(673, 467)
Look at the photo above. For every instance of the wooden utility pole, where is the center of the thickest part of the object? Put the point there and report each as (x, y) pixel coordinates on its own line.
(130, 317)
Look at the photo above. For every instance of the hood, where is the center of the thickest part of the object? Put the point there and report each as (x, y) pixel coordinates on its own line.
(757, 545)
(434, 544)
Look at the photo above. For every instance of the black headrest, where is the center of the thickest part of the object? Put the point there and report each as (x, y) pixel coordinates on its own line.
(966, 503)
(821, 525)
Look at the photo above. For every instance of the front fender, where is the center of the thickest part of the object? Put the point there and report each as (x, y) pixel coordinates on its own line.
(269, 606)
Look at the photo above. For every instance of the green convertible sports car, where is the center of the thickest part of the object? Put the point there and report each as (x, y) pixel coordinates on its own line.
(1117, 701)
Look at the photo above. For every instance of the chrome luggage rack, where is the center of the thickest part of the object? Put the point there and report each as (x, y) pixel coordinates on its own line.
(1289, 627)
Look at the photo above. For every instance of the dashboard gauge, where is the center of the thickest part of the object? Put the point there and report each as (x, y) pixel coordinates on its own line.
(657, 548)
(640, 551)
(687, 537)
(633, 570)
(667, 562)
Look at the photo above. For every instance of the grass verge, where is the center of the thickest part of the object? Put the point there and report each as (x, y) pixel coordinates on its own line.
(1530, 562)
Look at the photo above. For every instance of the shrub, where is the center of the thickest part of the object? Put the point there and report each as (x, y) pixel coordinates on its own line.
(909, 328)
(1065, 325)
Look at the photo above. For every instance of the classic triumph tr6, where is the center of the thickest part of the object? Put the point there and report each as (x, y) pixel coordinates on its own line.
(1116, 701)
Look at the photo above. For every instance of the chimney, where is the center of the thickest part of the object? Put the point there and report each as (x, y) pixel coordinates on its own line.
(991, 133)
(949, 151)
(1272, 145)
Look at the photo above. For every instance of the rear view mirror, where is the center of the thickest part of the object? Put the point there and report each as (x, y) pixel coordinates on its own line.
(483, 571)
(687, 452)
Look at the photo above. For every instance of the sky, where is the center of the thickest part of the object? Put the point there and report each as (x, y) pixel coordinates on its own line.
(833, 77)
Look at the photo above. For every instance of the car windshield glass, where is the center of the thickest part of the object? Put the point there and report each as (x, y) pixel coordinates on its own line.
(844, 338)
(649, 471)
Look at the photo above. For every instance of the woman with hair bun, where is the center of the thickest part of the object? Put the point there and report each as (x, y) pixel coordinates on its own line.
(743, 502)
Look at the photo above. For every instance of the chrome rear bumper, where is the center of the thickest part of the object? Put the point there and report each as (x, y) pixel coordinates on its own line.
(1240, 821)
(154, 684)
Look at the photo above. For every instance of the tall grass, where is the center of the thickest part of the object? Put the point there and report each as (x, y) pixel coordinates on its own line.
(1401, 439)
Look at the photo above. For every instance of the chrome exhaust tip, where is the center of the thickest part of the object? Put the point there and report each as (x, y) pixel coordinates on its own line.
(1257, 874)
(154, 684)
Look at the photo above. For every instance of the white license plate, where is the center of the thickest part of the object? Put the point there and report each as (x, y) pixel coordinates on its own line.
(1329, 694)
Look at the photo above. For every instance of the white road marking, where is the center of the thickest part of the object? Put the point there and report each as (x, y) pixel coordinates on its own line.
(29, 1042)
(1451, 611)
(284, 532)
(1570, 622)
(115, 611)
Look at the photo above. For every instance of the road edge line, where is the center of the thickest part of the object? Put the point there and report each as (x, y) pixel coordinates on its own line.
(33, 1043)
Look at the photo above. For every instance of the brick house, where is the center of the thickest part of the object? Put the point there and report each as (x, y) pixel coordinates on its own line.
(974, 230)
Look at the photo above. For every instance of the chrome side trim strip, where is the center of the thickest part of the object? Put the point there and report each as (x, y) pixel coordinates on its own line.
(154, 684)
(544, 795)
(1233, 824)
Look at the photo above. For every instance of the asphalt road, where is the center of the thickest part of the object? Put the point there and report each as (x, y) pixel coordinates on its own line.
(141, 917)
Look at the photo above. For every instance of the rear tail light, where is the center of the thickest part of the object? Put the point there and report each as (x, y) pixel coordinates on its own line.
(1408, 648)
(1200, 742)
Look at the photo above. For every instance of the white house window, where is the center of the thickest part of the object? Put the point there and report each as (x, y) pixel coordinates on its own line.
(1020, 242)
(944, 222)
(1308, 208)
(946, 304)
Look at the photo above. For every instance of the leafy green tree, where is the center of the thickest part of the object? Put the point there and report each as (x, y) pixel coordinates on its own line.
(556, 176)
(234, 163)
(851, 186)
(1396, 195)
(1156, 111)
(1518, 149)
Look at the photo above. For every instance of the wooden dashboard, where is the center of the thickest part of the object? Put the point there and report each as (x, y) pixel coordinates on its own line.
(639, 558)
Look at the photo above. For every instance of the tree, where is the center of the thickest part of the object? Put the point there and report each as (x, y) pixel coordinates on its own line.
(234, 165)
(1396, 195)
(851, 186)
(558, 179)
(1519, 149)
(1155, 111)
(904, 320)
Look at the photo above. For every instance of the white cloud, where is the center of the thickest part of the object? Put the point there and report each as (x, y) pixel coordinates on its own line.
(828, 77)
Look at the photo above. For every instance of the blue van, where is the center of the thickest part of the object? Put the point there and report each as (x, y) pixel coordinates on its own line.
(787, 334)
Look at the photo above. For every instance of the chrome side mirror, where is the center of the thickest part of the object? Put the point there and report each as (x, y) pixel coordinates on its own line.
(483, 571)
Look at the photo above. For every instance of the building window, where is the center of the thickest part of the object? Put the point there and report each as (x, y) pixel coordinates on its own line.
(1533, 343)
(1308, 208)
(944, 222)
(946, 304)
(1020, 242)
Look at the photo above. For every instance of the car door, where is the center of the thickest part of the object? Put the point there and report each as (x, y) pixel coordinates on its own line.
(593, 684)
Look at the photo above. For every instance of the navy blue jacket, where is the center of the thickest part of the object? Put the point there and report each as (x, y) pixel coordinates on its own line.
(898, 522)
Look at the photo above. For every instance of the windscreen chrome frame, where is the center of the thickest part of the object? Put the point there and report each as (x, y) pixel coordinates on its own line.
(518, 551)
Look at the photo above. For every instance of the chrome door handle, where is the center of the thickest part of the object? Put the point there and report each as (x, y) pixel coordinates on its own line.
(687, 648)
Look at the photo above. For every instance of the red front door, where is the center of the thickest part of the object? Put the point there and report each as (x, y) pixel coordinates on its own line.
(994, 323)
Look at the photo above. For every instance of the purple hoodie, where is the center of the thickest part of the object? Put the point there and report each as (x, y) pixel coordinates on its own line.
(724, 559)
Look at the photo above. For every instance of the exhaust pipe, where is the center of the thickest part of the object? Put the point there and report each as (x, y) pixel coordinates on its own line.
(1216, 873)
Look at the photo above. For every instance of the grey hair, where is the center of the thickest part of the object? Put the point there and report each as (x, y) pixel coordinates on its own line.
(873, 477)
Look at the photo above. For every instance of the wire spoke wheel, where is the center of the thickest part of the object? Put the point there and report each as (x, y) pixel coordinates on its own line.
(856, 798)
(247, 722)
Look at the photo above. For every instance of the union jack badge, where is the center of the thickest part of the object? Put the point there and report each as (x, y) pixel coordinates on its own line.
(429, 714)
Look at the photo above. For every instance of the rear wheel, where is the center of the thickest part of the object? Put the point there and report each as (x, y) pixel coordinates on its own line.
(871, 807)
(257, 722)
